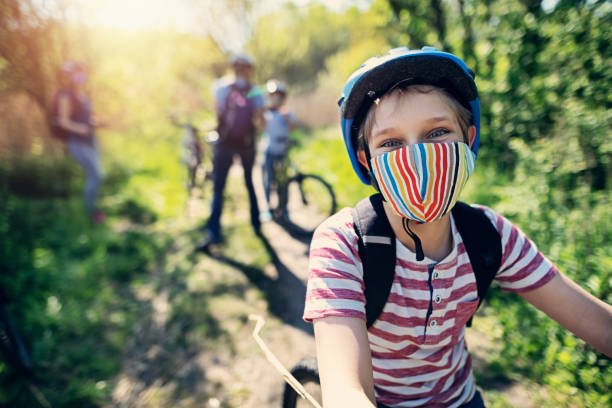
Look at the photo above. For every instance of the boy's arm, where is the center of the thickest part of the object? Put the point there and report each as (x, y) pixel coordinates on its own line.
(578, 311)
(295, 123)
(345, 363)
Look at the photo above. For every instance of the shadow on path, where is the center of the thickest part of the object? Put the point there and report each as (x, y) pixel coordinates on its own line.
(303, 237)
(285, 294)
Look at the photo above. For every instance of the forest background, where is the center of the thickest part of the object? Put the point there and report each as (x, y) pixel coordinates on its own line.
(544, 73)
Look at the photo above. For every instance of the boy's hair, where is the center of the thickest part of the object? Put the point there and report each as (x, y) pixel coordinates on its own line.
(464, 116)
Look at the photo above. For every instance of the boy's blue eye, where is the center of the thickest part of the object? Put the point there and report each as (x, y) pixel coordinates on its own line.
(438, 133)
(390, 143)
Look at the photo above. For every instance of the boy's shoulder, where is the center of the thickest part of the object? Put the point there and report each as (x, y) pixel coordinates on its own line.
(342, 221)
(339, 223)
(503, 225)
(491, 214)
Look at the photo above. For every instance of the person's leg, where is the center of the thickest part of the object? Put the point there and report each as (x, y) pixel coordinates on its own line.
(268, 175)
(247, 157)
(222, 162)
(279, 164)
(88, 158)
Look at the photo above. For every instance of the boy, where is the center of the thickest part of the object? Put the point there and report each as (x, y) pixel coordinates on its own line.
(410, 121)
(278, 125)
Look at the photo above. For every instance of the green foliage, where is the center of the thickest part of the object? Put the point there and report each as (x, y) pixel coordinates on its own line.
(61, 275)
(285, 39)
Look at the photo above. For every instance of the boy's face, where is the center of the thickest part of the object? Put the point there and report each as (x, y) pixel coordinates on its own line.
(276, 99)
(405, 119)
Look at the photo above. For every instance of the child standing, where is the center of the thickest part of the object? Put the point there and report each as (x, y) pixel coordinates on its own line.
(278, 125)
(411, 125)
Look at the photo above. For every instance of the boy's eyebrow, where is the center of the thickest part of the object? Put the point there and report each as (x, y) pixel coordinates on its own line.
(438, 119)
(384, 131)
(392, 129)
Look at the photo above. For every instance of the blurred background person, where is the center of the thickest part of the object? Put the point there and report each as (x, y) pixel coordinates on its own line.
(74, 121)
(276, 137)
(239, 107)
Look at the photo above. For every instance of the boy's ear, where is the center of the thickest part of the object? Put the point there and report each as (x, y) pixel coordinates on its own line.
(471, 135)
(362, 159)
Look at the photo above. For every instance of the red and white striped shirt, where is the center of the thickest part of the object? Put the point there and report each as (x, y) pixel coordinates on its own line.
(417, 360)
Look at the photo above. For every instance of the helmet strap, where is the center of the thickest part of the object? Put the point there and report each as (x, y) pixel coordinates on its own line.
(417, 241)
(373, 181)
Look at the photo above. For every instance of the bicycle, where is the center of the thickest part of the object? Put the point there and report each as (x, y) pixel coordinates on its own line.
(303, 379)
(195, 155)
(303, 200)
(14, 351)
(306, 372)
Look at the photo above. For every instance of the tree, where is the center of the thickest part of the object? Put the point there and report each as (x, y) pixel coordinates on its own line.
(30, 49)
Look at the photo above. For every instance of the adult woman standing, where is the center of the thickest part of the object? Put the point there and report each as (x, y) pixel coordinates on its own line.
(75, 119)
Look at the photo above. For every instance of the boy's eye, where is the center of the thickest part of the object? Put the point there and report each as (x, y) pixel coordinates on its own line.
(390, 143)
(438, 133)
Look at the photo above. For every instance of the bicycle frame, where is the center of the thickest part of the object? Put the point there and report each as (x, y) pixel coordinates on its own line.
(196, 152)
(290, 379)
(283, 172)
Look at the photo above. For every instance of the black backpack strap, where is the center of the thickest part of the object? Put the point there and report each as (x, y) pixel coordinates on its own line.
(377, 253)
(227, 101)
(482, 244)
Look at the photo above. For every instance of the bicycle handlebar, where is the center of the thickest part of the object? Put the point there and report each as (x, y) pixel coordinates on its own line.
(290, 379)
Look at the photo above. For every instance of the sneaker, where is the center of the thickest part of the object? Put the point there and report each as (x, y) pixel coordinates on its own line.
(207, 242)
(204, 246)
(265, 216)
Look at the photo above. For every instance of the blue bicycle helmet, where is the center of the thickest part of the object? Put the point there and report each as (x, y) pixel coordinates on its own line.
(379, 74)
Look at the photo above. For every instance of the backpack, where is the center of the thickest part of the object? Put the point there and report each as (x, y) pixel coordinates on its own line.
(57, 131)
(376, 247)
(236, 128)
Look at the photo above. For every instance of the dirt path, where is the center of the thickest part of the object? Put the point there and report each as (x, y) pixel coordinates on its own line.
(205, 356)
(294, 339)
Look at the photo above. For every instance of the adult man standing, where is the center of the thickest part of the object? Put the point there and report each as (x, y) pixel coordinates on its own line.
(239, 108)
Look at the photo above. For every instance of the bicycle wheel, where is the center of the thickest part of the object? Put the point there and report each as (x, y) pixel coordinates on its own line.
(307, 373)
(306, 201)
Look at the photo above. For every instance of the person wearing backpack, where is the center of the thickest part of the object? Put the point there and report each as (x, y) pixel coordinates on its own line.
(239, 107)
(72, 122)
(389, 324)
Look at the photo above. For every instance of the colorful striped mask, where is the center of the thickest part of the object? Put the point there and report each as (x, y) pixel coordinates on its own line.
(422, 182)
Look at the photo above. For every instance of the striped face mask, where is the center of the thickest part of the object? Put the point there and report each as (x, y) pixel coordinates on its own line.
(422, 182)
